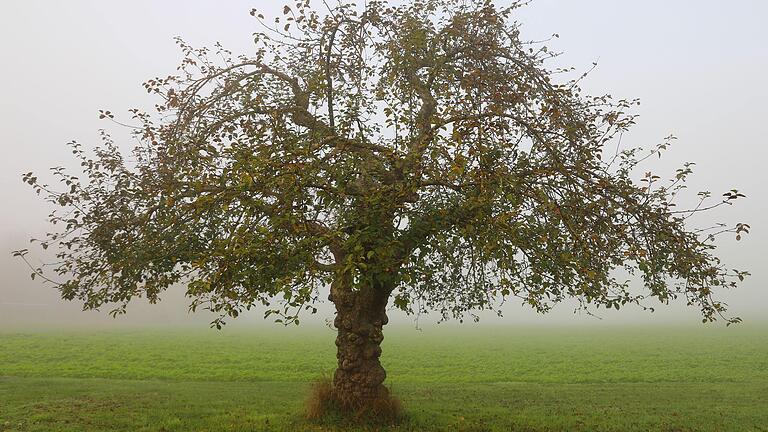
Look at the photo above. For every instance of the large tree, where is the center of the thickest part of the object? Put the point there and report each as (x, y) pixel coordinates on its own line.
(423, 156)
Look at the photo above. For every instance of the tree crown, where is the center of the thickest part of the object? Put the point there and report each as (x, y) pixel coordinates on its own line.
(425, 150)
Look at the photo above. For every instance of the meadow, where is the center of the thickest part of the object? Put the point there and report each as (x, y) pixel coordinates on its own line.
(474, 378)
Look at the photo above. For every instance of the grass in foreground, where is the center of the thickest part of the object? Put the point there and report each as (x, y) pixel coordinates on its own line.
(482, 379)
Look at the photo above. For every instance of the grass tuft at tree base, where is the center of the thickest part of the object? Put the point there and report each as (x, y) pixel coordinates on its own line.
(325, 406)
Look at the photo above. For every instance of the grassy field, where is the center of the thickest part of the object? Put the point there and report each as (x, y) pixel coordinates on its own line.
(467, 379)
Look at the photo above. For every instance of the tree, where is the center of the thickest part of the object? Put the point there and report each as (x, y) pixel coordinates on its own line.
(422, 155)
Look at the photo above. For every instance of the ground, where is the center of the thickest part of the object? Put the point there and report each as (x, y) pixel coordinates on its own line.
(485, 378)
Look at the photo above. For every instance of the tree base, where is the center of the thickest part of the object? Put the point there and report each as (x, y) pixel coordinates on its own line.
(324, 402)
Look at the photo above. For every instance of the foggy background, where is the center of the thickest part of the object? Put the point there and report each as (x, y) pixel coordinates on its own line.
(699, 68)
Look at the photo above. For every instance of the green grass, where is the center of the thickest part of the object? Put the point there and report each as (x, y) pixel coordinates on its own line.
(467, 379)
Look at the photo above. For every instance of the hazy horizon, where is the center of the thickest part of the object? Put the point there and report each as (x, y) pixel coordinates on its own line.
(697, 66)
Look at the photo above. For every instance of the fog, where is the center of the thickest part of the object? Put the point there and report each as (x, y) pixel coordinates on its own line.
(699, 68)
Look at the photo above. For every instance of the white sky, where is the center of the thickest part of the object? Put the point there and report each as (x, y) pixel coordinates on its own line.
(699, 67)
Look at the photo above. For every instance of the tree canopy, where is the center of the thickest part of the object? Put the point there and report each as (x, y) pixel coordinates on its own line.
(425, 150)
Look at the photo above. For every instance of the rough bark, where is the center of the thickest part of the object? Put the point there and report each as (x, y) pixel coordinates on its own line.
(360, 316)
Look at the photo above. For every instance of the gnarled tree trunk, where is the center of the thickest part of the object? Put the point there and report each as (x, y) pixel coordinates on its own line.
(360, 315)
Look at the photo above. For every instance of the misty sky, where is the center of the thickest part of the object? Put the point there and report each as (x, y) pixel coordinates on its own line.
(699, 67)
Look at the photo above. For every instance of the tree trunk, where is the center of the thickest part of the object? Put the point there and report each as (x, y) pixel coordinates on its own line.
(360, 315)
